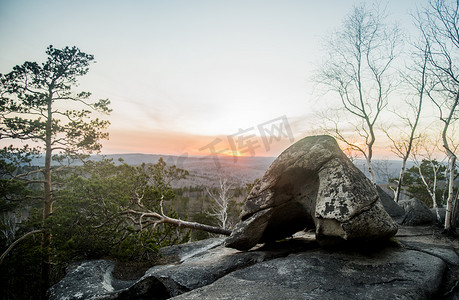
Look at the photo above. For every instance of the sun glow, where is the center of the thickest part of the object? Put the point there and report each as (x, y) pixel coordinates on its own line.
(234, 153)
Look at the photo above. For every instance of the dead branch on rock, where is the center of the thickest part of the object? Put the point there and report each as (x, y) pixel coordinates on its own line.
(147, 218)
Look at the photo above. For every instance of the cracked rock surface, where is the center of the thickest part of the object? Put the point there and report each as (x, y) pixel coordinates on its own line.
(386, 274)
(417, 267)
(312, 184)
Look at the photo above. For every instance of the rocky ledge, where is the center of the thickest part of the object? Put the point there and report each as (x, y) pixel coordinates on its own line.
(296, 268)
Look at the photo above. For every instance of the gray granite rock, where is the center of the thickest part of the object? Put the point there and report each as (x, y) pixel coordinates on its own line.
(393, 209)
(312, 184)
(292, 269)
(416, 213)
(388, 274)
(196, 272)
(447, 254)
(88, 280)
(185, 251)
(94, 280)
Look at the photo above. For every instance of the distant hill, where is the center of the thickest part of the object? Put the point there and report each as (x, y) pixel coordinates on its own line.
(247, 168)
(205, 169)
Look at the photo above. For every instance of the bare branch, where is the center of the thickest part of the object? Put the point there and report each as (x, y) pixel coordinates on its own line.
(161, 218)
(8, 250)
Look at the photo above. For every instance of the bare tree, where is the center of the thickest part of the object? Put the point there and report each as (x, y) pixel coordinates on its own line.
(221, 201)
(423, 153)
(403, 141)
(145, 215)
(439, 25)
(358, 67)
(9, 226)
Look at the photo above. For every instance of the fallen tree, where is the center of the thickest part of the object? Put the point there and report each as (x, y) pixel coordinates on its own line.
(151, 218)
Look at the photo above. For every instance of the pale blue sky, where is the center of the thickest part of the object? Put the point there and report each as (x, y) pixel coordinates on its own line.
(185, 68)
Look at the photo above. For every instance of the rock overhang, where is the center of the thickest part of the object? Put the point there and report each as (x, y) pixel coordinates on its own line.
(312, 184)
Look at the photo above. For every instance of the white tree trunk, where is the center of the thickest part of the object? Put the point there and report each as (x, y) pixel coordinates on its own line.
(400, 181)
(449, 202)
(371, 171)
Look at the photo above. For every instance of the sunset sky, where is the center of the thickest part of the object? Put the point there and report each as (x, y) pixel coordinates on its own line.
(185, 76)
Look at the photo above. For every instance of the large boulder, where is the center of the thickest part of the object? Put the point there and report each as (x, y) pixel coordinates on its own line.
(416, 213)
(312, 184)
(94, 279)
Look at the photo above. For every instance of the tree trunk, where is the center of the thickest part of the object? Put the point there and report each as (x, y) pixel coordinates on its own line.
(198, 226)
(160, 218)
(371, 171)
(46, 237)
(400, 180)
(450, 223)
(370, 150)
(47, 203)
(434, 192)
(454, 214)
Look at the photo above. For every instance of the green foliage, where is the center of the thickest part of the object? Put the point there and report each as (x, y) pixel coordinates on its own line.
(20, 272)
(89, 222)
(22, 265)
(415, 185)
(14, 190)
(30, 93)
(161, 175)
(39, 105)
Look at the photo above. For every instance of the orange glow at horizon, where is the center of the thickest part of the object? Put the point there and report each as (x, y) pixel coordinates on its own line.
(231, 153)
(179, 143)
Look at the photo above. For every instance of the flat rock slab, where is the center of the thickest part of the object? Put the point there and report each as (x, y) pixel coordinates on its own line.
(185, 251)
(193, 273)
(445, 253)
(389, 274)
(295, 268)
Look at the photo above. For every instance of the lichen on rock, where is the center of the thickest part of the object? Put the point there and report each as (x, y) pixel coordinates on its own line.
(312, 184)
